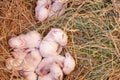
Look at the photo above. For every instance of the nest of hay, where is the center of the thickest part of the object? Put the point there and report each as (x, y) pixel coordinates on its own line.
(92, 27)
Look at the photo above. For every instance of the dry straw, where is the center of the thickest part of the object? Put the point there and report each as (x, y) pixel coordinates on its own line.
(92, 27)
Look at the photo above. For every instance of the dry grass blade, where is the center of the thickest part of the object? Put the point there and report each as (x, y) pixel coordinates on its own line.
(92, 27)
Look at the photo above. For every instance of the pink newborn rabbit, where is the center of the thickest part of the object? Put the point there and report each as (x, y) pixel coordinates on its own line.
(53, 42)
(43, 67)
(16, 61)
(55, 73)
(31, 60)
(69, 64)
(30, 63)
(41, 11)
(29, 40)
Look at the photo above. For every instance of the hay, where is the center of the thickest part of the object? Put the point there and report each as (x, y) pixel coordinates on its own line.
(92, 27)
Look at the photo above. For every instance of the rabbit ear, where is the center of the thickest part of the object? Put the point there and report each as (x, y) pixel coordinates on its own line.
(67, 54)
(54, 32)
(57, 33)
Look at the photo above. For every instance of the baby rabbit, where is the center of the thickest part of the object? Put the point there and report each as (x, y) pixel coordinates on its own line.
(15, 61)
(29, 40)
(41, 13)
(17, 42)
(28, 75)
(41, 10)
(53, 42)
(43, 67)
(49, 8)
(57, 8)
(46, 77)
(54, 74)
(31, 60)
(23, 60)
(58, 36)
(43, 3)
(33, 39)
(69, 64)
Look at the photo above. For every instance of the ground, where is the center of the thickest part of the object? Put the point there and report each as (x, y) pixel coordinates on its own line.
(93, 29)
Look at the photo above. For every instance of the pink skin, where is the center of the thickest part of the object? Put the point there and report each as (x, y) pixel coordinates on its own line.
(46, 77)
(43, 67)
(48, 48)
(53, 42)
(62, 1)
(29, 75)
(26, 62)
(31, 60)
(57, 8)
(59, 36)
(59, 13)
(49, 8)
(23, 58)
(54, 9)
(19, 54)
(17, 42)
(59, 50)
(51, 14)
(14, 63)
(43, 3)
(55, 73)
(22, 61)
(69, 64)
(41, 13)
(30, 40)
(62, 11)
